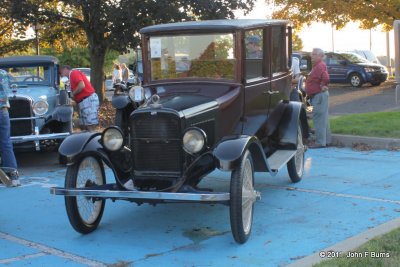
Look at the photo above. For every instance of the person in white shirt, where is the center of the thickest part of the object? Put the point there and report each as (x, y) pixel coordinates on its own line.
(295, 69)
(117, 74)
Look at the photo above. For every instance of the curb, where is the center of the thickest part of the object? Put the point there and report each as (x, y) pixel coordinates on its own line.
(347, 245)
(342, 140)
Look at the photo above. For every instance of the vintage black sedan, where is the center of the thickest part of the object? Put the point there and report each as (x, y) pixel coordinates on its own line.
(207, 103)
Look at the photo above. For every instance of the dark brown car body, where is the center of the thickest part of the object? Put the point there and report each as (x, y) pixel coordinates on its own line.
(244, 116)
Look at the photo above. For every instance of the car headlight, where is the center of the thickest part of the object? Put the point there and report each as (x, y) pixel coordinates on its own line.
(369, 69)
(40, 107)
(194, 140)
(112, 139)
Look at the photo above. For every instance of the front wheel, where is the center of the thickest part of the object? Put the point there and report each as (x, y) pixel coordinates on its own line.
(355, 80)
(242, 198)
(84, 213)
(295, 166)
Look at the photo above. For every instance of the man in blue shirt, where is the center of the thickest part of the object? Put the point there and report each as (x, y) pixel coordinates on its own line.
(8, 161)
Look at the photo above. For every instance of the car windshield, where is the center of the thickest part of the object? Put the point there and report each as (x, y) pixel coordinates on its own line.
(192, 56)
(28, 75)
(354, 58)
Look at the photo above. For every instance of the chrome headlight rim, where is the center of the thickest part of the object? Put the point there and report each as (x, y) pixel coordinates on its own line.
(45, 107)
(194, 132)
(116, 132)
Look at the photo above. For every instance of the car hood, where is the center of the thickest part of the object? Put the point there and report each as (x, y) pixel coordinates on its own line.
(182, 102)
(35, 92)
(370, 65)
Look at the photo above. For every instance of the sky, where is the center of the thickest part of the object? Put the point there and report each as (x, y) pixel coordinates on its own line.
(319, 35)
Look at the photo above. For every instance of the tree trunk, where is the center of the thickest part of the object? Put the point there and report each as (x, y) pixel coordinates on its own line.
(97, 55)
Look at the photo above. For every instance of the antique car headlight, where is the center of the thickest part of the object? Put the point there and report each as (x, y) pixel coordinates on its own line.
(40, 107)
(194, 140)
(112, 139)
(136, 94)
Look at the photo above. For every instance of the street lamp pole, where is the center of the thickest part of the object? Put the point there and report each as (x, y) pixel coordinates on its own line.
(36, 28)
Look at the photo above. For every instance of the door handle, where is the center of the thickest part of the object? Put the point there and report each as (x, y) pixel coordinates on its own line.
(271, 92)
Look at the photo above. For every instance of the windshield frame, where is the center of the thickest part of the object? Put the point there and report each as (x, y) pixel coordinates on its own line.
(224, 46)
(45, 68)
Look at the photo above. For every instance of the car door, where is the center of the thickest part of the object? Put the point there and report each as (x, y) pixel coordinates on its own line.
(257, 81)
(337, 67)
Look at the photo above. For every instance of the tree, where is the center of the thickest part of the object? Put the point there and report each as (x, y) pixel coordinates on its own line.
(114, 24)
(369, 13)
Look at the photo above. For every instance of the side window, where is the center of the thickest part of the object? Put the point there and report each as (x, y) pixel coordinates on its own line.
(254, 53)
(335, 60)
(279, 50)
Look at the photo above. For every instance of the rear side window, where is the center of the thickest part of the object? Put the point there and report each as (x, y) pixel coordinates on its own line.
(279, 50)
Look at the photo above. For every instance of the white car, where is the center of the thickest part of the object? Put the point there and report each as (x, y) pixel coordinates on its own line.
(85, 71)
(109, 85)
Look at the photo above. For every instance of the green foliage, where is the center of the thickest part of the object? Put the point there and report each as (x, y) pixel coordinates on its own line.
(380, 124)
(370, 13)
(110, 24)
(297, 43)
(80, 57)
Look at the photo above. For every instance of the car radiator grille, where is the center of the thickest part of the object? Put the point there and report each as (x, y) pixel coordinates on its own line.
(20, 108)
(157, 142)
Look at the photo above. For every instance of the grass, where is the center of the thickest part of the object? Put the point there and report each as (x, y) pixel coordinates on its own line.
(386, 245)
(379, 124)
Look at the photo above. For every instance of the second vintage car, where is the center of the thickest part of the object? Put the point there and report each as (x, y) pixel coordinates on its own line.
(40, 112)
(211, 99)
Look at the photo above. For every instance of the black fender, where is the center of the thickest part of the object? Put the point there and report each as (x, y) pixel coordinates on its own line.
(86, 143)
(120, 101)
(62, 113)
(229, 152)
(295, 114)
(78, 143)
(284, 121)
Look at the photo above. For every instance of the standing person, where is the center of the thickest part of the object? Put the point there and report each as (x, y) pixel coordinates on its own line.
(317, 88)
(117, 74)
(85, 96)
(125, 73)
(8, 161)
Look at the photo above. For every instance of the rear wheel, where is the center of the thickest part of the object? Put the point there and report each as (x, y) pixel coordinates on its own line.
(242, 198)
(295, 166)
(355, 80)
(84, 213)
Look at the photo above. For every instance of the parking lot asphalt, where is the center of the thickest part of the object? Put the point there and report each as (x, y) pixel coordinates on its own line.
(343, 193)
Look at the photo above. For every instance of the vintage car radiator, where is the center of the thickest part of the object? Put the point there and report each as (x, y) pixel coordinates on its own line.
(21, 108)
(157, 142)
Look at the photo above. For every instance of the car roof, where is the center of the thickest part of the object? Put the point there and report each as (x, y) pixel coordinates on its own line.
(21, 60)
(213, 25)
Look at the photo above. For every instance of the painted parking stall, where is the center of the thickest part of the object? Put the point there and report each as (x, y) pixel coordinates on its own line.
(343, 193)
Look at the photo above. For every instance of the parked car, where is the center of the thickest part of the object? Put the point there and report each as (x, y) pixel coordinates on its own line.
(40, 113)
(109, 85)
(223, 111)
(85, 71)
(353, 69)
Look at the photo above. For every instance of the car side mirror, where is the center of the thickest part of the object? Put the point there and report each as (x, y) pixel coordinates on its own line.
(343, 62)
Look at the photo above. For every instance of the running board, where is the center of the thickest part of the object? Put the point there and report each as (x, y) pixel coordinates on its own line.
(279, 159)
(109, 191)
